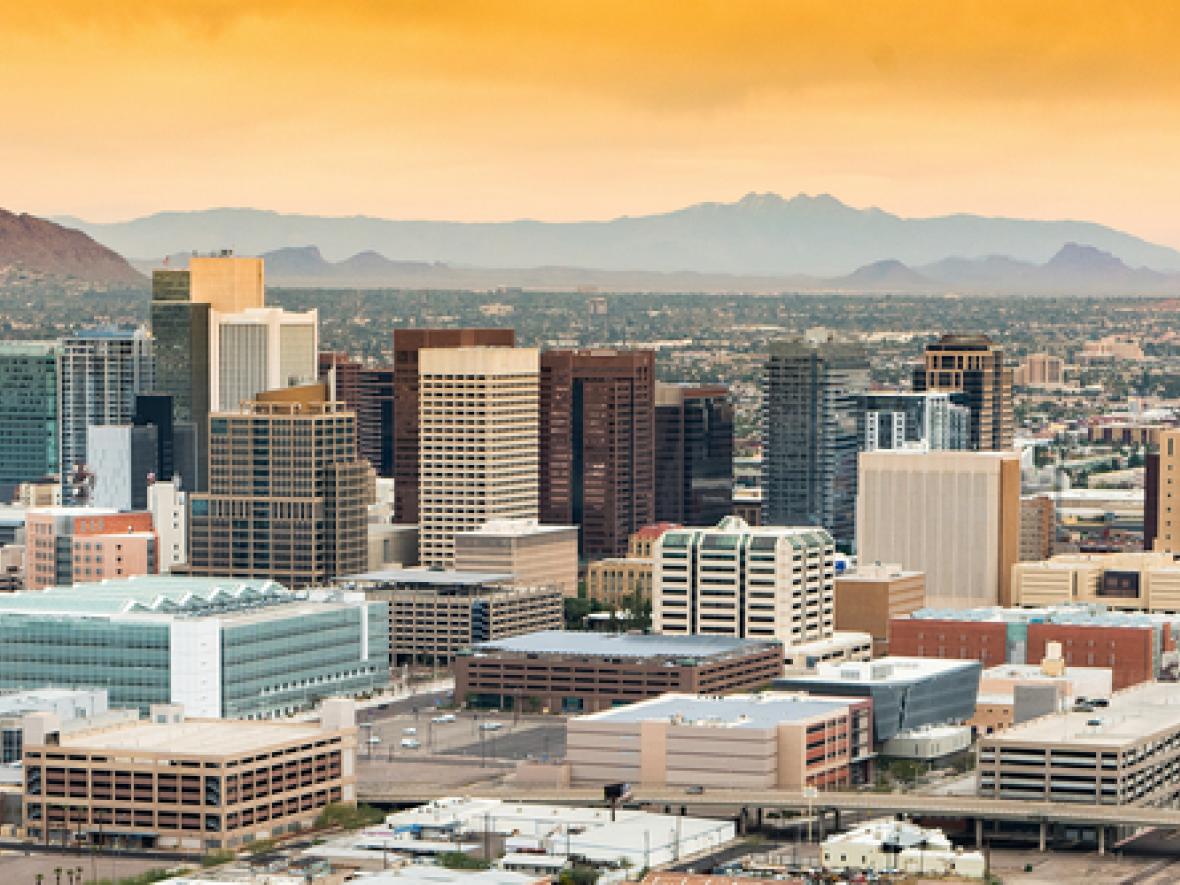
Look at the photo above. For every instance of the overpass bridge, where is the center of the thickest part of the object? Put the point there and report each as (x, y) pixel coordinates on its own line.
(748, 805)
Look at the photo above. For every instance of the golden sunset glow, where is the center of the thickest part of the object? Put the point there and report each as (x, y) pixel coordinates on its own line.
(560, 109)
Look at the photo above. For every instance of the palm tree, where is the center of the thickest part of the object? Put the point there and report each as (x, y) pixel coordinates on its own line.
(78, 871)
(40, 877)
(57, 875)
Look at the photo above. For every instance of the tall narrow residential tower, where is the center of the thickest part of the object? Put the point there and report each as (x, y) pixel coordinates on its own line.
(972, 366)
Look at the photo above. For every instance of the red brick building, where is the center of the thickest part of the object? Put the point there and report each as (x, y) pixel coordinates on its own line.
(983, 641)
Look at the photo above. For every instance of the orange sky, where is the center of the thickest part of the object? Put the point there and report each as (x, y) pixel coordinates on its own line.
(559, 109)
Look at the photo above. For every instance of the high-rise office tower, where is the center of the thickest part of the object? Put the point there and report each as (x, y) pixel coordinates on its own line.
(123, 458)
(407, 343)
(288, 495)
(477, 410)
(810, 401)
(102, 370)
(953, 515)
(897, 420)
(694, 453)
(257, 349)
(174, 454)
(182, 302)
(598, 445)
(376, 391)
(28, 413)
(972, 366)
(342, 375)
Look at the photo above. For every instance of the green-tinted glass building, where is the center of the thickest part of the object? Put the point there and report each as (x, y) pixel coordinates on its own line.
(29, 434)
(219, 646)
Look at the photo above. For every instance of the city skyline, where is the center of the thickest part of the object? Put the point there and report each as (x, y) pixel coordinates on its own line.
(587, 111)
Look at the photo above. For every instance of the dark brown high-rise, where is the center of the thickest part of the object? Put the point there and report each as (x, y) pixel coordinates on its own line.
(694, 453)
(971, 369)
(598, 445)
(406, 344)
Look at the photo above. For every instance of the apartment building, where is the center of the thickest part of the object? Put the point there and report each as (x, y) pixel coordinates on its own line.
(558, 670)
(535, 555)
(171, 782)
(764, 582)
(756, 742)
(478, 448)
(1038, 528)
(972, 366)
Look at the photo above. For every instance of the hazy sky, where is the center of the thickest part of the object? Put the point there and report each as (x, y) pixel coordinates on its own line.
(560, 109)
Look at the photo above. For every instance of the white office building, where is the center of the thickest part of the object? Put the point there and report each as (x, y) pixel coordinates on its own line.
(756, 582)
(477, 442)
(261, 348)
(169, 508)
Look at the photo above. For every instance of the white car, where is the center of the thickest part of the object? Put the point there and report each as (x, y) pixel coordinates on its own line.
(443, 719)
(373, 739)
(410, 730)
(491, 726)
(411, 743)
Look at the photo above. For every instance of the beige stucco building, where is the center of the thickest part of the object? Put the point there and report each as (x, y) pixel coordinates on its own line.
(1128, 581)
(866, 600)
(477, 442)
(953, 515)
(535, 555)
(772, 740)
(226, 282)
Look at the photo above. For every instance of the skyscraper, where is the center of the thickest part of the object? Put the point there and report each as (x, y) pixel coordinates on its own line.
(375, 422)
(29, 431)
(694, 453)
(896, 420)
(406, 346)
(102, 370)
(257, 349)
(972, 366)
(598, 445)
(182, 302)
(288, 494)
(810, 401)
(477, 461)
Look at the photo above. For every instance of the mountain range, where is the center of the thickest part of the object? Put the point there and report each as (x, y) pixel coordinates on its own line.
(31, 245)
(762, 234)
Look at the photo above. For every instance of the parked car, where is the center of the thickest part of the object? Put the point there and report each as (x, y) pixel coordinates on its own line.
(443, 719)
(411, 743)
(694, 790)
(491, 726)
(373, 739)
(410, 730)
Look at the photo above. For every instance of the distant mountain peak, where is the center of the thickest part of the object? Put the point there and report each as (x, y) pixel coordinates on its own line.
(1077, 256)
(34, 244)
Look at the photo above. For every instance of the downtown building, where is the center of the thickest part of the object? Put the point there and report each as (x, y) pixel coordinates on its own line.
(102, 372)
(597, 445)
(972, 368)
(476, 409)
(694, 453)
(904, 419)
(288, 494)
(810, 402)
(29, 429)
(258, 349)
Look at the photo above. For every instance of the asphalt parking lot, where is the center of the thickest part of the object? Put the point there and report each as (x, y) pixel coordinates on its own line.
(517, 737)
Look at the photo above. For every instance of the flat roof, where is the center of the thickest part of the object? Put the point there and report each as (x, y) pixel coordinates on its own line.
(430, 577)
(196, 737)
(429, 874)
(882, 671)
(1079, 614)
(1132, 715)
(621, 645)
(761, 711)
(516, 528)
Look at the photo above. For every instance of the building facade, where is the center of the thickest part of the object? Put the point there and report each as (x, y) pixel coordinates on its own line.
(597, 445)
(188, 784)
(535, 555)
(574, 672)
(897, 420)
(1134, 581)
(407, 345)
(258, 349)
(124, 460)
(869, 598)
(102, 371)
(972, 366)
(288, 495)
(915, 509)
(221, 647)
(810, 399)
(477, 459)
(1038, 527)
(694, 453)
(83, 544)
(29, 429)
(754, 742)
(765, 582)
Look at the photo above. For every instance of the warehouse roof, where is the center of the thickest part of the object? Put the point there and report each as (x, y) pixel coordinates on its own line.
(621, 645)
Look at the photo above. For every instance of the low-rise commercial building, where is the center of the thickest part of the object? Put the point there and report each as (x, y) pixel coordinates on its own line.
(1136, 646)
(189, 784)
(870, 597)
(899, 845)
(756, 742)
(74, 709)
(71, 544)
(1013, 693)
(221, 647)
(1126, 753)
(907, 693)
(535, 555)
(1138, 581)
(434, 614)
(582, 672)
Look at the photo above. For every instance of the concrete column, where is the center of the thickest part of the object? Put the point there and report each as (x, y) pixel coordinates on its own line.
(979, 832)
(820, 815)
(760, 817)
(1102, 840)
(835, 818)
(1043, 827)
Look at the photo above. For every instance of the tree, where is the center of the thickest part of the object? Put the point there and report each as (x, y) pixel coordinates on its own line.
(579, 874)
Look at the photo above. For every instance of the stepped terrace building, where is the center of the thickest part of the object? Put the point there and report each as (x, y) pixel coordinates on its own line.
(222, 647)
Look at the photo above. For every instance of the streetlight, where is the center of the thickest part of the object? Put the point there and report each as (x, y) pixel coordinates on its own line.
(809, 793)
